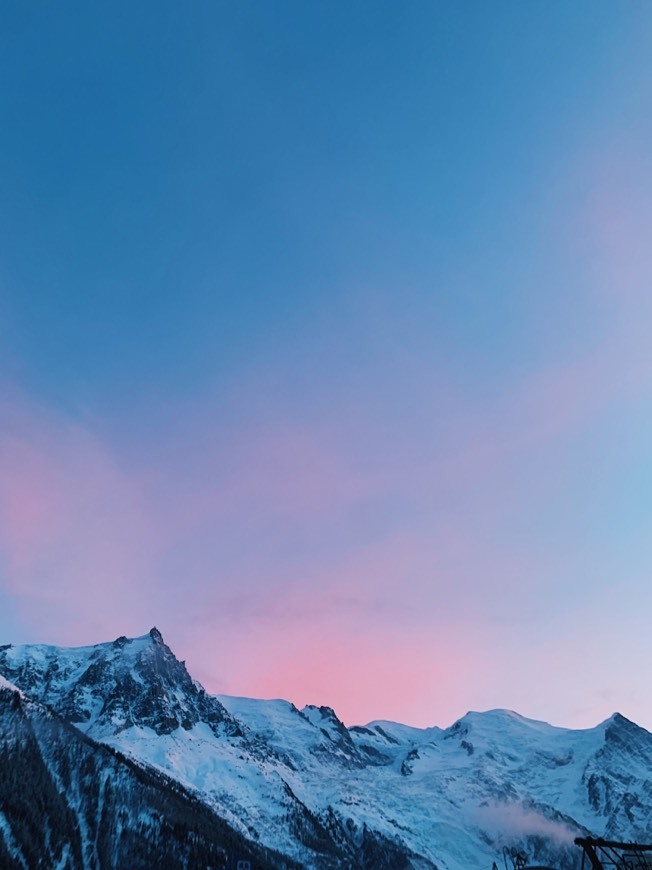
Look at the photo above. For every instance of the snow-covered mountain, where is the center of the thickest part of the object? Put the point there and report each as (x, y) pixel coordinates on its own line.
(323, 795)
(69, 803)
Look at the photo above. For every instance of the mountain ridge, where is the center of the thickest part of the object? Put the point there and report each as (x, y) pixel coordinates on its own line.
(306, 785)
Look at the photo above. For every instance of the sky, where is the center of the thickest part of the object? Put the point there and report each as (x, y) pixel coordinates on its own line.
(324, 347)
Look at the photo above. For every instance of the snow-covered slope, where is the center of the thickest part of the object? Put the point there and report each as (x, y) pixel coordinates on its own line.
(71, 804)
(382, 794)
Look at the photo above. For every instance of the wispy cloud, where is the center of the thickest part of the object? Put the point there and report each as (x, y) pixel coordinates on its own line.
(281, 557)
(75, 530)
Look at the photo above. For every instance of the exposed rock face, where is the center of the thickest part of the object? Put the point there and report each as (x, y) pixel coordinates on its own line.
(382, 795)
(114, 686)
(613, 781)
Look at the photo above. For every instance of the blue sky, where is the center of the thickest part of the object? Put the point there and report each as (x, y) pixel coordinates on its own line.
(310, 311)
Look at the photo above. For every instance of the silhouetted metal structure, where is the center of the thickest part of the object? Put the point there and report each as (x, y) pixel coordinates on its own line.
(518, 861)
(600, 854)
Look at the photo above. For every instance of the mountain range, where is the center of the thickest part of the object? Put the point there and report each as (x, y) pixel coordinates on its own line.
(113, 756)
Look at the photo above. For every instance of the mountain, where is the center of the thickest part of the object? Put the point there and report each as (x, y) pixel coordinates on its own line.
(300, 783)
(134, 696)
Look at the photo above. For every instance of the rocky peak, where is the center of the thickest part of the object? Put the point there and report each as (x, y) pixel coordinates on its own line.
(334, 730)
(113, 686)
(619, 724)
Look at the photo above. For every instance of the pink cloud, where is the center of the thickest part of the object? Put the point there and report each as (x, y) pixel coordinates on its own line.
(281, 470)
(412, 603)
(74, 529)
(398, 630)
(365, 671)
(86, 540)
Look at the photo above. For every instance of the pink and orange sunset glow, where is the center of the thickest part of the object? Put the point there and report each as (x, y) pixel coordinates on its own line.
(325, 345)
